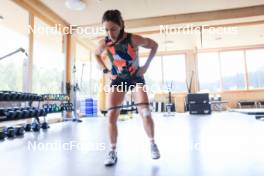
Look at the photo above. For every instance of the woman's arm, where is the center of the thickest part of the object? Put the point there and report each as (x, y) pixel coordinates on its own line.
(99, 50)
(145, 43)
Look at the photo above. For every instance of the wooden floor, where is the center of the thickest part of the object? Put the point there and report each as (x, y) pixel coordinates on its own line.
(225, 143)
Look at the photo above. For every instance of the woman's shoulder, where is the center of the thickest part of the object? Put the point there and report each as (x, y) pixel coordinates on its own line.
(136, 39)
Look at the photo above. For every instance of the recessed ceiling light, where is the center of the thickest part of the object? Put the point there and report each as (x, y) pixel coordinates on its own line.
(218, 38)
(168, 41)
(77, 5)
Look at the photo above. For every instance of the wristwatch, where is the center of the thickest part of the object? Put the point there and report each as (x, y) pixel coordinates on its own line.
(105, 70)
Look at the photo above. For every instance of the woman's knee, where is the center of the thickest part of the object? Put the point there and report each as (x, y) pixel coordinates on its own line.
(145, 112)
(112, 116)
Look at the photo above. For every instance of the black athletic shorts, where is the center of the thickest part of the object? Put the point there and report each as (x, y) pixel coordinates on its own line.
(127, 84)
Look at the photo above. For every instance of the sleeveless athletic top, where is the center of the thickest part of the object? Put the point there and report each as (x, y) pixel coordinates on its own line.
(123, 57)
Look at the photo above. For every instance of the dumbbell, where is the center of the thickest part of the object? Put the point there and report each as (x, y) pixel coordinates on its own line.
(10, 113)
(25, 96)
(22, 96)
(2, 133)
(33, 96)
(37, 112)
(1, 96)
(55, 108)
(62, 107)
(35, 127)
(19, 96)
(13, 96)
(18, 113)
(34, 112)
(50, 106)
(10, 132)
(31, 111)
(26, 113)
(2, 111)
(19, 130)
(36, 97)
(46, 108)
(27, 127)
(5, 95)
(69, 106)
(42, 112)
(44, 125)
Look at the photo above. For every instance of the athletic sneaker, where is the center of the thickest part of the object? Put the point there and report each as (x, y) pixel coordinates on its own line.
(155, 154)
(111, 159)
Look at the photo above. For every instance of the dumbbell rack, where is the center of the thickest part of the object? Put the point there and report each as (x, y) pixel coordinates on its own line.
(65, 106)
(18, 106)
(11, 103)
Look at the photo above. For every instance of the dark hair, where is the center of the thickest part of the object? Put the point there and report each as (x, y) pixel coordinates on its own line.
(115, 17)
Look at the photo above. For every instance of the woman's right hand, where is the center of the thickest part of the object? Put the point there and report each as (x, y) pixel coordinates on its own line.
(110, 76)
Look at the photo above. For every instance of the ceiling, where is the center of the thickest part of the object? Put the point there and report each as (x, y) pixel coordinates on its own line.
(138, 9)
(141, 8)
(245, 35)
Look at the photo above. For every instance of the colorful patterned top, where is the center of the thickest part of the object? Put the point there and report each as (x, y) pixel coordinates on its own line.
(124, 58)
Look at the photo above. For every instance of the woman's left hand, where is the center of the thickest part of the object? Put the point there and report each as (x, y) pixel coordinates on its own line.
(142, 70)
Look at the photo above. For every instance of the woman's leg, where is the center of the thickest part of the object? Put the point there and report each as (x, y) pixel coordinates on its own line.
(115, 98)
(141, 96)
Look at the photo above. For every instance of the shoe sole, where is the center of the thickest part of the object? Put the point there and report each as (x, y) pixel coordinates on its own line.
(112, 164)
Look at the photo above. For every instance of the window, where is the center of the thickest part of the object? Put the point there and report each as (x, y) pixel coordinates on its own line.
(14, 35)
(174, 72)
(83, 66)
(208, 71)
(153, 76)
(255, 68)
(88, 73)
(233, 70)
(48, 61)
(96, 75)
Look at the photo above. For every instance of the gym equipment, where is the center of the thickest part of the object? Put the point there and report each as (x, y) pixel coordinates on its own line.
(169, 107)
(247, 104)
(27, 127)
(4, 96)
(260, 103)
(10, 113)
(55, 108)
(126, 106)
(35, 126)
(19, 130)
(199, 103)
(26, 113)
(259, 113)
(44, 125)
(19, 113)
(2, 133)
(18, 96)
(259, 117)
(72, 106)
(189, 85)
(10, 132)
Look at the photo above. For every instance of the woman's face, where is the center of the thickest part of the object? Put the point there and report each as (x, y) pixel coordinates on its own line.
(112, 30)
